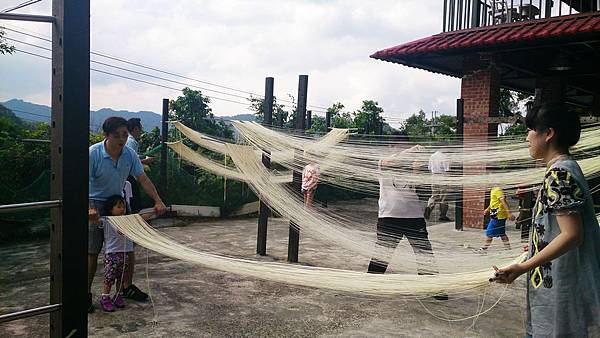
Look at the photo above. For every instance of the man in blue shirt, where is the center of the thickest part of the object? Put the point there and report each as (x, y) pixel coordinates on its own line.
(110, 163)
(134, 127)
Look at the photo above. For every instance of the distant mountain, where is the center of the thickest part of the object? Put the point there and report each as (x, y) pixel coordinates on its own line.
(40, 113)
(149, 119)
(28, 111)
(241, 117)
(7, 113)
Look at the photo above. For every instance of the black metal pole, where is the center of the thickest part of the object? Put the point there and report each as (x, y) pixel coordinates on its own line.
(475, 14)
(164, 134)
(309, 119)
(327, 121)
(460, 123)
(69, 165)
(294, 234)
(444, 16)
(263, 217)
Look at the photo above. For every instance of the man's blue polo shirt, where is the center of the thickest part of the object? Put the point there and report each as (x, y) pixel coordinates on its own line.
(107, 178)
(133, 143)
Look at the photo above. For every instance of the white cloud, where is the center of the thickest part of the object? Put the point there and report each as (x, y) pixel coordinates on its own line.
(238, 43)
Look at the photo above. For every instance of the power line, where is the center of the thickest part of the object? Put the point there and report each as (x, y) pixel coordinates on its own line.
(134, 79)
(40, 115)
(165, 72)
(135, 72)
(21, 5)
(30, 113)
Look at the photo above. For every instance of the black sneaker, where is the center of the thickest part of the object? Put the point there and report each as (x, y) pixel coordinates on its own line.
(441, 297)
(90, 303)
(445, 219)
(132, 292)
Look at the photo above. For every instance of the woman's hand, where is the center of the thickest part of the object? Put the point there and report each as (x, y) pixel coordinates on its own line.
(508, 274)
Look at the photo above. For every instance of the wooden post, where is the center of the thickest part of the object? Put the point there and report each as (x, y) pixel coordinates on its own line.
(301, 106)
(294, 233)
(309, 119)
(263, 217)
(327, 121)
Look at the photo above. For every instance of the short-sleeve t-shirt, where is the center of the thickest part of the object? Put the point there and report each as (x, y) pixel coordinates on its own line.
(563, 295)
(106, 177)
(133, 143)
(310, 176)
(114, 241)
(497, 209)
(397, 199)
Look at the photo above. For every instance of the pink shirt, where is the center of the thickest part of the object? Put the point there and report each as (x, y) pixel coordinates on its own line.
(310, 176)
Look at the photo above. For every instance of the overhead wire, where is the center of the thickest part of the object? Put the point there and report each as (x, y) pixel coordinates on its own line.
(104, 55)
(21, 5)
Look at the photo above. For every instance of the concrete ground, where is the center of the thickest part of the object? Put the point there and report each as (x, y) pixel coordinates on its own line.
(192, 301)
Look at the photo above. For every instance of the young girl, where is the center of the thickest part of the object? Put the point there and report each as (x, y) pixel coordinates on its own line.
(563, 265)
(310, 179)
(499, 212)
(116, 255)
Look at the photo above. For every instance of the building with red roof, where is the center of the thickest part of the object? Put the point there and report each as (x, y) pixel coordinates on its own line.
(550, 49)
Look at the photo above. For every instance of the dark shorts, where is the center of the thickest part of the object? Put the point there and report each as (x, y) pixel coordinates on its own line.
(95, 231)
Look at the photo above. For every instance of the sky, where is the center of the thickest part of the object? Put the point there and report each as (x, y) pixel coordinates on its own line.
(236, 44)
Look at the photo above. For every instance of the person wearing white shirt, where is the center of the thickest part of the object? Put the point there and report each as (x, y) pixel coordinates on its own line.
(401, 214)
(439, 165)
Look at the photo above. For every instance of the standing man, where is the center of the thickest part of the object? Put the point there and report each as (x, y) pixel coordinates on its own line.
(439, 165)
(134, 127)
(110, 163)
(401, 213)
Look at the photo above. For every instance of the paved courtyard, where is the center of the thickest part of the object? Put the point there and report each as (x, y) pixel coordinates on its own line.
(193, 301)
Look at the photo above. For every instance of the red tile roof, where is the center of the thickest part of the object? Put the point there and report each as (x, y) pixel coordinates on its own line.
(511, 33)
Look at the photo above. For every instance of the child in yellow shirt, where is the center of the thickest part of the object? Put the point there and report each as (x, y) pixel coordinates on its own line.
(498, 210)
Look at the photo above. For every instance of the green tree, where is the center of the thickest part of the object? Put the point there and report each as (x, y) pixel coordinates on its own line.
(318, 124)
(95, 138)
(517, 129)
(257, 105)
(193, 110)
(340, 119)
(149, 140)
(22, 161)
(368, 118)
(5, 48)
(416, 126)
(419, 127)
(292, 113)
(444, 127)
